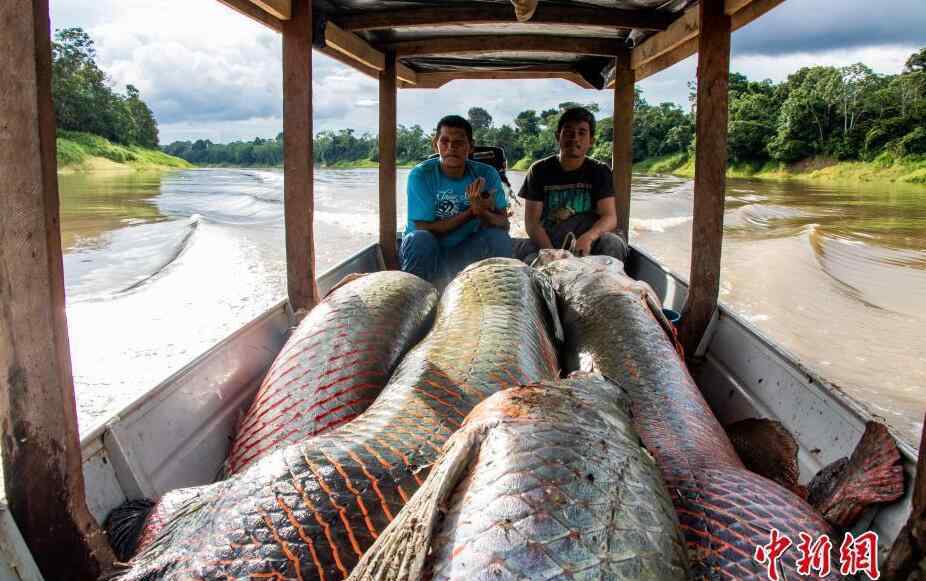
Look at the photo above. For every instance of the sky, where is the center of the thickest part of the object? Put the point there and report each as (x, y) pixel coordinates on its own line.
(209, 73)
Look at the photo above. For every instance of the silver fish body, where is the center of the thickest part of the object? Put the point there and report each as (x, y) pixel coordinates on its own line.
(544, 481)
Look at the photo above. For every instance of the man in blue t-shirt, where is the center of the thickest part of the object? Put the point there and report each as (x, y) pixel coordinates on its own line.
(457, 209)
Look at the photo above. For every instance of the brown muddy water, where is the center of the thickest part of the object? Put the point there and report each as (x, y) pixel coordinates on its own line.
(160, 267)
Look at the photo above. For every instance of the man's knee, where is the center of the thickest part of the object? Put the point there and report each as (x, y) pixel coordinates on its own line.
(524, 249)
(498, 242)
(421, 254)
(610, 244)
(420, 242)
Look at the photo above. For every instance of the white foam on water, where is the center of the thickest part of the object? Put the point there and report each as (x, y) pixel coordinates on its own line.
(657, 224)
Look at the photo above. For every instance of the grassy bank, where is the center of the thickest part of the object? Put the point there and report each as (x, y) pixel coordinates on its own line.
(81, 152)
(884, 168)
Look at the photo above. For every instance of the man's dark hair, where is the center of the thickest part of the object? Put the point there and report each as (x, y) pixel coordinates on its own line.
(576, 114)
(457, 122)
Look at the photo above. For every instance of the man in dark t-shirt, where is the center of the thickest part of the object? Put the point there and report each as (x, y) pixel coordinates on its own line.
(570, 193)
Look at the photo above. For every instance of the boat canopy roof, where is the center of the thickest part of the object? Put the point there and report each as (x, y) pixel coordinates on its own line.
(437, 42)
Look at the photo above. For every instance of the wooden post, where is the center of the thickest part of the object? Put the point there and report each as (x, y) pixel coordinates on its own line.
(38, 416)
(710, 171)
(298, 170)
(622, 149)
(909, 549)
(387, 152)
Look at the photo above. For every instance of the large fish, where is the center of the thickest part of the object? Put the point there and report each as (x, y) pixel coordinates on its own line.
(725, 510)
(335, 363)
(309, 511)
(331, 368)
(545, 481)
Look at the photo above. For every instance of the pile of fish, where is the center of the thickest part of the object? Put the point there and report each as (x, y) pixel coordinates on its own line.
(546, 481)
(335, 363)
(309, 510)
(725, 510)
(372, 453)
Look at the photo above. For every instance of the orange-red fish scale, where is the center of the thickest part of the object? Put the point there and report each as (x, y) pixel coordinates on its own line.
(335, 363)
(308, 511)
(725, 510)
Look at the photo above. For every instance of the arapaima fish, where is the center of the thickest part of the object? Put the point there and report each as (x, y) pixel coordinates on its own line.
(310, 510)
(335, 363)
(725, 510)
(545, 481)
(331, 368)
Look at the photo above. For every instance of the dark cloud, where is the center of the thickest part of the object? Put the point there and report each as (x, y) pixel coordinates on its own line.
(821, 25)
(225, 79)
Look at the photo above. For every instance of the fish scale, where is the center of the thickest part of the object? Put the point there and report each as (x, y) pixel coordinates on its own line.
(724, 510)
(545, 481)
(335, 363)
(308, 511)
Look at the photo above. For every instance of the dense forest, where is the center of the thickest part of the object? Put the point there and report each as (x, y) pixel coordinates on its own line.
(848, 113)
(85, 101)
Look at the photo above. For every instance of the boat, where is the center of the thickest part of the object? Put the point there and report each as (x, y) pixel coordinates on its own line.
(59, 488)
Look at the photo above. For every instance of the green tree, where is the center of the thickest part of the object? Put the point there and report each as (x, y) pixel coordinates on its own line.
(479, 118)
(84, 101)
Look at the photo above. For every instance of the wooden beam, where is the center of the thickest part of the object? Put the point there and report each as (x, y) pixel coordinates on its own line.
(352, 46)
(710, 171)
(679, 41)
(680, 31)
(486, 13)
(909, 547)
(507, 43)
(439, 79)
(255, 13)
(42, 467)
(746, 11)
(298, 171)
(664, 61)
(353, 51)
(622, 148)
(387, 152)
(281, 9)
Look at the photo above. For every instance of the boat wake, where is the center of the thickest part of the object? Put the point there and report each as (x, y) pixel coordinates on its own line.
(879, 277)
(145, 252)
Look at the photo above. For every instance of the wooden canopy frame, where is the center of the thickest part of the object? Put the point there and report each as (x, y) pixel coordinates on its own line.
(38, 420)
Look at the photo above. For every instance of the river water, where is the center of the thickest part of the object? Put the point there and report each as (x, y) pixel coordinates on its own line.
(160, 267)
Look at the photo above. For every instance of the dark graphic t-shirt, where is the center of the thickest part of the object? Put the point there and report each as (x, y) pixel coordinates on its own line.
(566, 193)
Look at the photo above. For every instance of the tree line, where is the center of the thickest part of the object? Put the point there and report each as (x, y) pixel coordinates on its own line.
(85, 101)
(847, 113)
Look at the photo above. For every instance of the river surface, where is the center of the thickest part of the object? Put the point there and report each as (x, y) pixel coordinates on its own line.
(160, 267)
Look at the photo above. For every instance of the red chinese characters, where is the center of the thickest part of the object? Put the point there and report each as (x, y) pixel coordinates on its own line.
(856, 555)
(815, 555)
(860, 555)
(769, 554)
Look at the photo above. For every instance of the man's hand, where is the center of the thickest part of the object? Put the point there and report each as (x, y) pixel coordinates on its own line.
(476, 202)
(584, 244)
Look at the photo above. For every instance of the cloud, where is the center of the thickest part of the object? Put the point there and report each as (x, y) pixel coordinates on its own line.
(208, 72)
(810, 26)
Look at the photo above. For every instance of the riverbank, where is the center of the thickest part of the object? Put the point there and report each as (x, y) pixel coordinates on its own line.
(884, 168)
(84, 152)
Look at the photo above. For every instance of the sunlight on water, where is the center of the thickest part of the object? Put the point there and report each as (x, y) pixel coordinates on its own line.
(160, 267)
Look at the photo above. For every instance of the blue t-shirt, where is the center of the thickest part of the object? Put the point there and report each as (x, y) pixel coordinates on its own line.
(434, 196)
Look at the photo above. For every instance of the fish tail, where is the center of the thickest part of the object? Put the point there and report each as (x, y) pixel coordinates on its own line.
(148, 564)
(400, 551)
(124, 526)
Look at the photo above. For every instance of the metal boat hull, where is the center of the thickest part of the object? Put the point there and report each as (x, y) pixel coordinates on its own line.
(177, 434)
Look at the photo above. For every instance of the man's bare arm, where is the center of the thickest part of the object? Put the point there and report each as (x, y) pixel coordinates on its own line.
(607, 222)
(497, 218)
(532, 212)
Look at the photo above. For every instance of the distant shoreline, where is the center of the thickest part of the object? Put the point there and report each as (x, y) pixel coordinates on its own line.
(79, 152)
(86, 153)
(884, 168)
